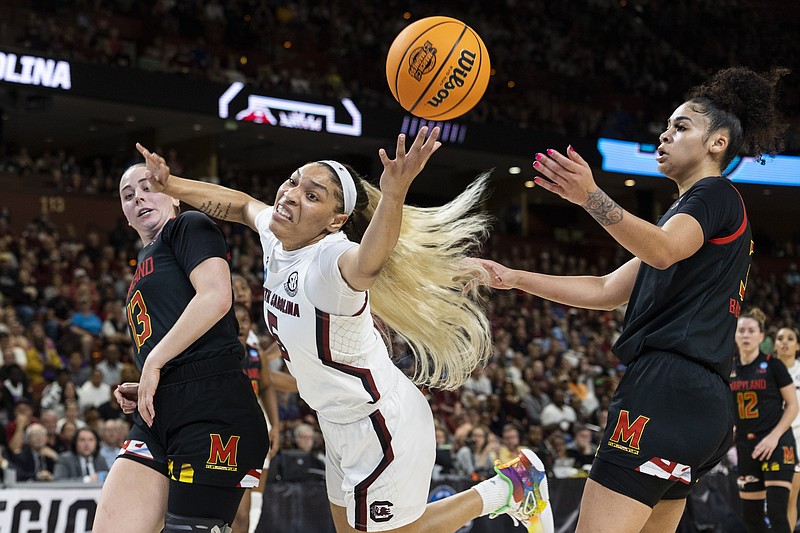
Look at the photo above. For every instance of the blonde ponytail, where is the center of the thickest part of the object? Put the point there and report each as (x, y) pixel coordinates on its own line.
(424, 293)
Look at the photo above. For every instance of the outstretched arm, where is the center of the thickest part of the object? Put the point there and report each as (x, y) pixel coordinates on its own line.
(589, 292)
(658, 246)
(213, 200)
(361, 264)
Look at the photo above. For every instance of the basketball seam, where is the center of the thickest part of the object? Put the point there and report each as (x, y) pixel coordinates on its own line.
(474, 81)
(433, 78)
(401, 66)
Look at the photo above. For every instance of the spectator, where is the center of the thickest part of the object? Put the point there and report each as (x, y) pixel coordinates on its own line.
(558, 413)
(85, 325)
(582, 448)
(111, 365)
(78, 369)
(300, 463)
(111, 409)
(115, 326)
(52, 394)
(112, 437)
(16, 384)
(534, 402)
(84, 462)
(511, 443)
(444, 464)
(72, 412)
(42, 358)
(94, 392)
(34, 460)
(476, 459)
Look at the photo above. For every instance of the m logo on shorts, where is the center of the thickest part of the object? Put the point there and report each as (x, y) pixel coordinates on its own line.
(381, 511)
(788, 455)
(223, 456)
(627, 433)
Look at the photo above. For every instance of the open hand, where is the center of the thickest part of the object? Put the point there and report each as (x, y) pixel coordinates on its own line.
(570, 176)
(398, 173)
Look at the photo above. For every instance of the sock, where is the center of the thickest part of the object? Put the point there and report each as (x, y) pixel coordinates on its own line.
(494, 492)
(777, 503)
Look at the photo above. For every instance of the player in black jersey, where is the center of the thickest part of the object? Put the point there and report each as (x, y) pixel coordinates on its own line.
(199, 437)
(766, 405)
(671, 418)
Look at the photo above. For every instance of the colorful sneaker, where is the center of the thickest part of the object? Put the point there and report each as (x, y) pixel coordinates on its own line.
(526, 478)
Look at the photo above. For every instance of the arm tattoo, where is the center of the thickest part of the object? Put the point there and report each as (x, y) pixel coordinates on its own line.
(215, 210)
(604, 210)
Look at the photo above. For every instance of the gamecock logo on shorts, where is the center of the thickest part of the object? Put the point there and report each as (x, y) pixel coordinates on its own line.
(381, 511)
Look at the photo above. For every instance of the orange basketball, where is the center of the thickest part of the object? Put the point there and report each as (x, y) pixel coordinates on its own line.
(438, 68)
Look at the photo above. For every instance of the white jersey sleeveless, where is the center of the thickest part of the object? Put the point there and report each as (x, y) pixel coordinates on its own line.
(794, 371)
(324, 328)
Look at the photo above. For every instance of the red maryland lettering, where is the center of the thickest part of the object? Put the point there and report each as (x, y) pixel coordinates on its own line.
(627, 432)
(223, 453)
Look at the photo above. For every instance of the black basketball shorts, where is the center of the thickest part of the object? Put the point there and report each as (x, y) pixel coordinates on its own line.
(208, 428)
(670, 418)
(780, 466)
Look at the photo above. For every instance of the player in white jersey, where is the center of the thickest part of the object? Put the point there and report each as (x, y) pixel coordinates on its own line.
(336, 251)
(786, 347)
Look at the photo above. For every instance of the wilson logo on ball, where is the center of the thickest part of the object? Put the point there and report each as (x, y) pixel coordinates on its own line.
(457, 78)
(422, 60)
(438, 68)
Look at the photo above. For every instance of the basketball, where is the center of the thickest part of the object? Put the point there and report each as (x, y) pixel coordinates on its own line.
(438, 68)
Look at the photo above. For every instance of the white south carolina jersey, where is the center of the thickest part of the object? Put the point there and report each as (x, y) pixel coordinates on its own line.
(324, 328)
(794, 371)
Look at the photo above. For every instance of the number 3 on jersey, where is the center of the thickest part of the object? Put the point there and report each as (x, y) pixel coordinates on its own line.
(272, 323)
(139, 320)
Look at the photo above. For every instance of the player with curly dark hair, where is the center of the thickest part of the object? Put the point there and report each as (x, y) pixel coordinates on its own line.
(671, 418)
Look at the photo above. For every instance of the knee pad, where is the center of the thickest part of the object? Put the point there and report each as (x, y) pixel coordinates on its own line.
(174, 523)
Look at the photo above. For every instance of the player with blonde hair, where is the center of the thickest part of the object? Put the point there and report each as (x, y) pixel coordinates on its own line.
(337, 250)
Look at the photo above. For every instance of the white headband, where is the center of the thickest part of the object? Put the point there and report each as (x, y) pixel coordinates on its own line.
(348, 185)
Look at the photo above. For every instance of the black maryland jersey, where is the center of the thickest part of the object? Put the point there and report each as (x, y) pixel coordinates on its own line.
(757, 395)
(691, 307)
(161, 290)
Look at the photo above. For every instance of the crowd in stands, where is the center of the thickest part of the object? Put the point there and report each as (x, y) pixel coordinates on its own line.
(64, 343)
(64, 347)
(596, 68)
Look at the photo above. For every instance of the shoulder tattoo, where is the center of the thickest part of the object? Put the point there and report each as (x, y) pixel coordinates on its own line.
(604, 210)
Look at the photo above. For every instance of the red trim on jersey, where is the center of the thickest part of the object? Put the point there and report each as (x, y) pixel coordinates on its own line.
(738, 233)
(366, 299)
(360, 490)
(324, 354)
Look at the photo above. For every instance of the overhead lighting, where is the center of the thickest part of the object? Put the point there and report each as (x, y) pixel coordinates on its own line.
(514, 170)
(630, 183)
(530, 184)
(197, 127)
(130, 118)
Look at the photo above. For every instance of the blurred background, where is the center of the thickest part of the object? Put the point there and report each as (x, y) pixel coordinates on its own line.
(242, 92)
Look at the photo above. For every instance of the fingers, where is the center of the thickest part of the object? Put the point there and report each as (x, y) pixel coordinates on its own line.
(383, 157)
(146, 408)
(401, 146)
